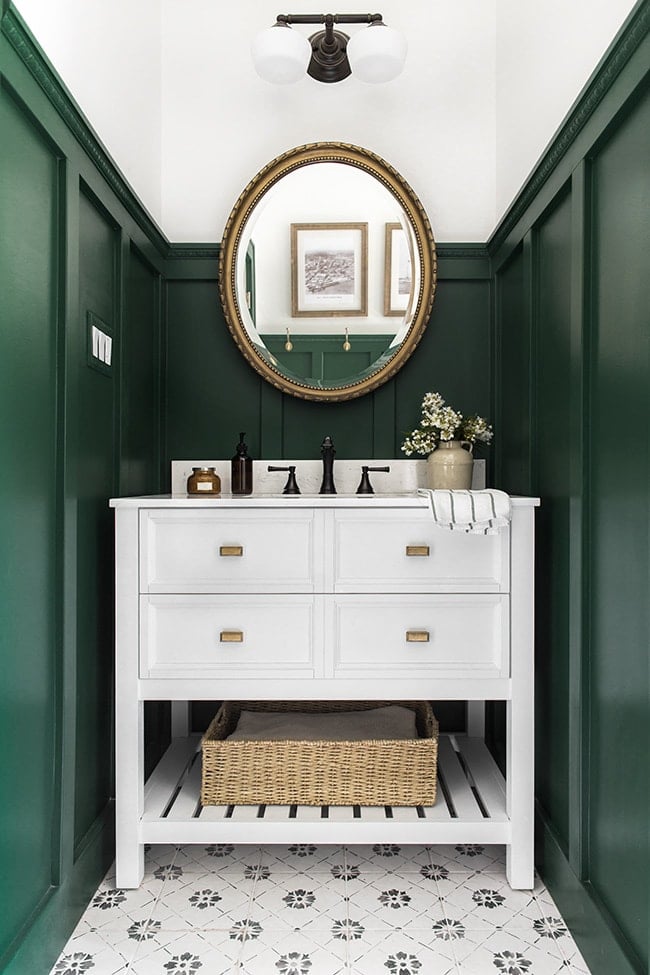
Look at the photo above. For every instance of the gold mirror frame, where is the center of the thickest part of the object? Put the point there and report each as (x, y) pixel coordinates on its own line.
(330, 152)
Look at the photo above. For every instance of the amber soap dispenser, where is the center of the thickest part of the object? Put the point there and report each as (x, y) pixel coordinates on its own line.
(241, 469)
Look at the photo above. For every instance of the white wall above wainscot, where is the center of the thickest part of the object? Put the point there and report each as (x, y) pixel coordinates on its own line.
(170, 90)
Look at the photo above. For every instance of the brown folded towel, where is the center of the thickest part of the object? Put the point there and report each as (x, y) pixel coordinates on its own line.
(388, 723)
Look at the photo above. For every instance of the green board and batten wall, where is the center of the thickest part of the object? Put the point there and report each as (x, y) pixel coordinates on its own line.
(73, 241)
(571, 279)
(545, 330)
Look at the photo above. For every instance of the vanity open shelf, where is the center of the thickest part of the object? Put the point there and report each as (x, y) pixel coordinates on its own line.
(470, 808)
(324, 594)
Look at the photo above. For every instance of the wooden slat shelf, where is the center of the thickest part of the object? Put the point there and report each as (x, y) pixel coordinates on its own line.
(471, 807)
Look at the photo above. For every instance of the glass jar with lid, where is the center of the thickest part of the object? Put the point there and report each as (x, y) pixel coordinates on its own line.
(204, 480)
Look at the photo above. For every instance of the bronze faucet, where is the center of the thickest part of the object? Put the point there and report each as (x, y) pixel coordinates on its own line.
(327, 452)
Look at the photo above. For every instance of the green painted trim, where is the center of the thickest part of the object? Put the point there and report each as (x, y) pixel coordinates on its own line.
(578, 555)
(271, 421)
(39, 944)
(58, 843)
(17, 33)
(463, 262)
(631, 35)
(384, 432)
(531, 313)
(597, 935)
(193, 252)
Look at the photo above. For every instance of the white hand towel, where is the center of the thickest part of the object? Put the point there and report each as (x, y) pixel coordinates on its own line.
(479, 512)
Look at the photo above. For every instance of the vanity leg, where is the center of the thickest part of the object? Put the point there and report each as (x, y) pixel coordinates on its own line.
(129, 797)
(129, 711)
(520, 709)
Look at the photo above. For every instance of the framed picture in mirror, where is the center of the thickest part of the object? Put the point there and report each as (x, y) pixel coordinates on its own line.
(398, 271)
(329, 269)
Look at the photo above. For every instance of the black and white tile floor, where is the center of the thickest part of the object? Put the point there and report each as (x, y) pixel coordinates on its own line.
(321, 910)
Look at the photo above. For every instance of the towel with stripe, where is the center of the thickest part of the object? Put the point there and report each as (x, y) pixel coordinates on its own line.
(478, 512)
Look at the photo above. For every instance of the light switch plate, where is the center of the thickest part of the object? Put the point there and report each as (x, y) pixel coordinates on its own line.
(100, 344)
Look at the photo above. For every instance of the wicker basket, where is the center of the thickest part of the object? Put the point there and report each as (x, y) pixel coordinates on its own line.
(318, 773)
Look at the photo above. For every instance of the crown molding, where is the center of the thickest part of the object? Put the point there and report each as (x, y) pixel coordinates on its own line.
(459, 251)
(632, 34)
(193, 252)
(17, 34)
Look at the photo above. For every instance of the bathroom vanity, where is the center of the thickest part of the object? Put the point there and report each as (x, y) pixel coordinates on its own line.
(322, 597)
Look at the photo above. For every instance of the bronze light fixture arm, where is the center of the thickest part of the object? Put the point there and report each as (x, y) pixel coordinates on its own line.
(332, 18)
(329, 61)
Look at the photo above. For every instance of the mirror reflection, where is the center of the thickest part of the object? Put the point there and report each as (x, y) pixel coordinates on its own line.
(328, 266)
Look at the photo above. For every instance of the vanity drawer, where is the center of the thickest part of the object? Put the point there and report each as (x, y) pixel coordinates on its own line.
(227, 551)
(451, 636)
(228, 636)
(394, 551)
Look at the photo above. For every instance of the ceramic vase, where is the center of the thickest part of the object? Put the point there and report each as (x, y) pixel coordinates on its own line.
(449, 467)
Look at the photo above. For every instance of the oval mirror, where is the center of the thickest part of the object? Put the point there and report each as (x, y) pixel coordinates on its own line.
(327, 272)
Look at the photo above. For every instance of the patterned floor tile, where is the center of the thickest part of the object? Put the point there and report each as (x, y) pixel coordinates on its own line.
(574, 961)
(295, 901)
(470, 856)
(186, 952)
(155, 856)
(98, 953)
(503, 952)
(223, 858)
(390, 903)
(398, 953)
(307, 909)
(114, 909)
(486, 901)
(388, 858)
(292, 953)
(202, 901)
(302, 858)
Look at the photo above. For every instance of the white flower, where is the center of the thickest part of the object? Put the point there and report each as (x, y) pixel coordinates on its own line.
(442, 423)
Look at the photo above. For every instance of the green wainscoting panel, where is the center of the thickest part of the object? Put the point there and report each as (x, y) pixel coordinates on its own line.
(68, 224)
(95, 480)
(139, 364)
(454, 356)
(571, 275)
(211, 393)
(140, 428)
(552, 482)
(618, 528)
(30, 199)
(512, 427)
(210, 389)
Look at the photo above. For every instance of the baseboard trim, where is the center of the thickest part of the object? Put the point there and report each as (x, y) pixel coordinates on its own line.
(596, 934)
(60, 911)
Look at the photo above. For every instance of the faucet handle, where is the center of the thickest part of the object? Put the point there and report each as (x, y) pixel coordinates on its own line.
(365, 487)
(291, 487)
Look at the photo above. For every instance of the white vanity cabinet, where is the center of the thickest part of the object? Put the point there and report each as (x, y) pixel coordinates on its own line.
(329, 597)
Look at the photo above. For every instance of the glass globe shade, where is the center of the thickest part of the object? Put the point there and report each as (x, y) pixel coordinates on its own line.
(280, 54)
(377, 53)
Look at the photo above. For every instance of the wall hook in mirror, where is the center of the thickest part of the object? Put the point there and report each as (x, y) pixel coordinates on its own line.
(346, 344)
(288, 344)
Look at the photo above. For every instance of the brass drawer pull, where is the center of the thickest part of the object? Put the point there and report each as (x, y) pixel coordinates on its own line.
(421, 550)
(417, 636)
(232, 636)
(237, 550)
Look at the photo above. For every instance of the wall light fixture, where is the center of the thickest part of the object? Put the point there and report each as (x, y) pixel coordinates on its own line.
(282, 55)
